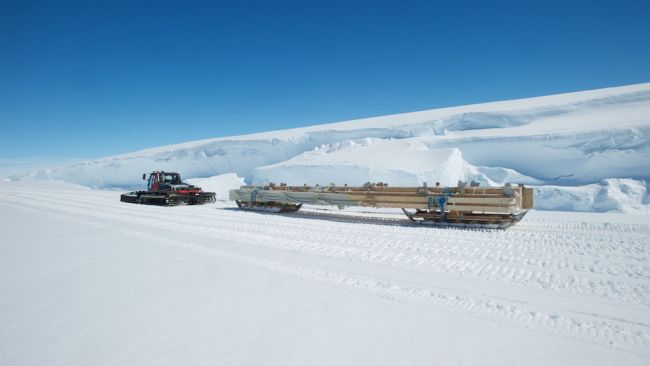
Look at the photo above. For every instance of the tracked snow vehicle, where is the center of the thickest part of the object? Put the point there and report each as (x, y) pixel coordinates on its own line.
(167, 189)
(473, 206)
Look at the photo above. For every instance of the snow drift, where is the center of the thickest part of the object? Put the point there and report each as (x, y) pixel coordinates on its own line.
(219, 184)
(404, 162)
(557, 142)
(622, 195)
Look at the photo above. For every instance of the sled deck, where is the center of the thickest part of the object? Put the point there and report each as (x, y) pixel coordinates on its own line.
(464, 206)
(466, 220)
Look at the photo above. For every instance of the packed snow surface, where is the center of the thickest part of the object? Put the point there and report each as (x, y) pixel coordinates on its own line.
(567, 140)
(88, 280)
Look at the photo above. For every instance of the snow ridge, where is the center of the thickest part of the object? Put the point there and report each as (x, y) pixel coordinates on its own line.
(569, 140)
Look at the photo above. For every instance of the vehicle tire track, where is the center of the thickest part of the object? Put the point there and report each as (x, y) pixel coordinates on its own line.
(322, 245)
(620, 335)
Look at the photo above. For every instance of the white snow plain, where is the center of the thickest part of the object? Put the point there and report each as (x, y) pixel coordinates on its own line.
(86, 279)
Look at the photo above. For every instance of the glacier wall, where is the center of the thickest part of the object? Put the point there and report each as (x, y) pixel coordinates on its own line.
(566, 140)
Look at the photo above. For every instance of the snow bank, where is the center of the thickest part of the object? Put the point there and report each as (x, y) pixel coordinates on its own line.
(404, 162)
(574, 139)
(617, 195)
(219, 184)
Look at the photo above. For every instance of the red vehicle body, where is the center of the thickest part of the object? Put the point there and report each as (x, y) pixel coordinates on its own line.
(167, 189)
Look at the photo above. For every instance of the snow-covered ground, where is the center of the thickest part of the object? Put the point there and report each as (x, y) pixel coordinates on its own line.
(86, 279)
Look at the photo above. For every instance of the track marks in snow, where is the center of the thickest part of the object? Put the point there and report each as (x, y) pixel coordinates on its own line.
(579, 260)
(436, 251)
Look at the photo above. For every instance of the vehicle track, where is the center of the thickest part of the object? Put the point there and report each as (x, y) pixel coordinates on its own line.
(530, 248)
(610, 245)
(381, 250)
(620, 333)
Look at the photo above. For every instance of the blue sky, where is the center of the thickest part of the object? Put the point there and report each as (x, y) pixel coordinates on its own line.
(95, 78)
